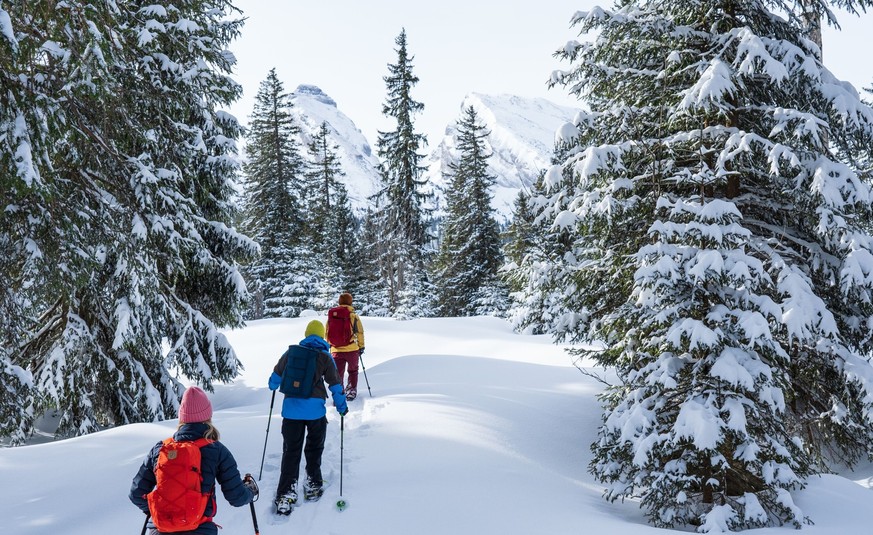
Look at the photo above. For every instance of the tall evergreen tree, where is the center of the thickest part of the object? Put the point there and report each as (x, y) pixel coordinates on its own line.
(332, 228)
(540, 262)
(470, 257)
(116, 168)
(520, 237)
(722, 252)
(274, 174)
(404, 241)
(367, 285)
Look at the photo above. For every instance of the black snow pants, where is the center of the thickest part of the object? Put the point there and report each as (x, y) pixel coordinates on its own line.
(293, 432)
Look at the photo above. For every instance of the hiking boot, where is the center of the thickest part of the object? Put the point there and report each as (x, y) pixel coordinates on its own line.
(312, 490)
(351, 394)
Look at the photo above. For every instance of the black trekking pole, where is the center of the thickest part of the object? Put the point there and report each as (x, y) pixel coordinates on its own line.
(144, 524)
(341, 503)
(252, 503)
(254, 518)
(361, 358)
(273, 400)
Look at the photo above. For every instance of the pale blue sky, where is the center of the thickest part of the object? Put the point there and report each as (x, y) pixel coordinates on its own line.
(460, 46)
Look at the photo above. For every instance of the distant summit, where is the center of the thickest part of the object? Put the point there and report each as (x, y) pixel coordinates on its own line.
(315, 93)
(312, 106)
(522, 140)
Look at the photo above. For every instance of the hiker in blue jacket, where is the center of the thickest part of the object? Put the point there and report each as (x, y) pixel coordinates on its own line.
(217, 464)
(306, 416)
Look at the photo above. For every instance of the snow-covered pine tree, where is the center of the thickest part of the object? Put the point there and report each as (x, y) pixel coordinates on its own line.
(116, 173)
(520, 236)
(22, 152)
(466, 269)
(368, 287)
(274, 176)
(331, 225)
(722, 254)
(540, 261)
(16, 383)
(401, 214)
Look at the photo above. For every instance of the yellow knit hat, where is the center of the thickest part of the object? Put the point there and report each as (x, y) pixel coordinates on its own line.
(315, 327)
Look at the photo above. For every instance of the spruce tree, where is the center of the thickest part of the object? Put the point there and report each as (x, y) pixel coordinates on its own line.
(274, 174)
(117, 170)
(331, 229)
(470, 256)
(401, 214)
(721, 255)
(539, 256)
(520, 237)
(367, 285)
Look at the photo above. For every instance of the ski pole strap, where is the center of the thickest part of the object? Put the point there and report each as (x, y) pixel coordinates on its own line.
(256, 491)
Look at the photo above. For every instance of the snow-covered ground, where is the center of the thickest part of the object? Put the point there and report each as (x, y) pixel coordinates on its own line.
(470, 429)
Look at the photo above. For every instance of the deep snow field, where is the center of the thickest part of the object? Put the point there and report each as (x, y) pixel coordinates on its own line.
(470, 429)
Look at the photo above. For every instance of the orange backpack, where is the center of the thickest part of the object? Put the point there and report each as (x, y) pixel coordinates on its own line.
(177, 503)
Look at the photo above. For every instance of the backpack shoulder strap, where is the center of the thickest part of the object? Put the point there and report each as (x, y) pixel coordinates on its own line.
(279, 368)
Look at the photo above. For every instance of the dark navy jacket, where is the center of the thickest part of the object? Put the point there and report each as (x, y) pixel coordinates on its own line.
(216, 464)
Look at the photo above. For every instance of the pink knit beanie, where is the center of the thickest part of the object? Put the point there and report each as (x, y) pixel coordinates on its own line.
(195, 406)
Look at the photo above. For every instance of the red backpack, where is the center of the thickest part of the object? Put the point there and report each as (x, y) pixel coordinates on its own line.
(339, 326)
(177, 503)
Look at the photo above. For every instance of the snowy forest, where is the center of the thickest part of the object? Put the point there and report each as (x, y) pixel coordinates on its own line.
(705, 232)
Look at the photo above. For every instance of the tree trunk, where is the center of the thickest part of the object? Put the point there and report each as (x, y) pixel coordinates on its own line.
(812, 18)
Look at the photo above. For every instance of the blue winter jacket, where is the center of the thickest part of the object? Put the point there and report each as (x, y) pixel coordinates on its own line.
(312, 408)
(216, 464)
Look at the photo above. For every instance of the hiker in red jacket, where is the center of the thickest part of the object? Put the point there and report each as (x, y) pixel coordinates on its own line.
(345, 333)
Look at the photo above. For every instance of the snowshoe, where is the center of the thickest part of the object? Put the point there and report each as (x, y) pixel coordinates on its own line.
(351, 394)
(312, 491)
(283, 506)
(285, 503)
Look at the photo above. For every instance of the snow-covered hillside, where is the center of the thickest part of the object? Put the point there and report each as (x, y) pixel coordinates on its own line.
(312, 107)
(522, 140)
(470, 429)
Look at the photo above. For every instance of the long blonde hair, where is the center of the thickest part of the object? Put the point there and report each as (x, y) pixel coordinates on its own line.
(211, 431)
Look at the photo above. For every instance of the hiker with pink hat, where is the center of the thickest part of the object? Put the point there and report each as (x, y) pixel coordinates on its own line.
(159, 488)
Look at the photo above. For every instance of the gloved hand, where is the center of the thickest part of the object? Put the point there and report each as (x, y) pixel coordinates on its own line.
(360, 351)
(343, 409)
(249, 483)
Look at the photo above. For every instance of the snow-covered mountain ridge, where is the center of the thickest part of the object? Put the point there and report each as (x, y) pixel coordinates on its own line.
(522, 138)
(312, 106)
(522, 135)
